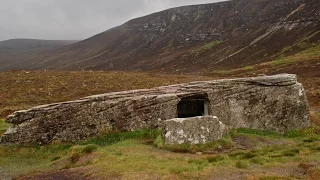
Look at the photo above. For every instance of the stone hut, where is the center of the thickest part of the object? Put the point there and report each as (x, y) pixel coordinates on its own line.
(266, 102)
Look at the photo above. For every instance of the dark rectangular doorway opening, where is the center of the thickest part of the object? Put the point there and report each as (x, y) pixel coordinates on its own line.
(192, 107)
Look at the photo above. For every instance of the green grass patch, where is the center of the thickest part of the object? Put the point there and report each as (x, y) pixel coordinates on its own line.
(132, 153)
(310, 139)
(210, 45)
(240, 154)
(197, 161)
(217, 158)
(310, 134)
(258, 132)
(248, 68)
(178, 170)
(90, 148)
(309, 53)
(248, 155)
(178, 148)
(116, 137)
(258, 160)
(205, 47)
(224, 143)
(55, 158)
(294, 134)
(17, 160)
(3, 126)
(159, 142)
(237, 153)
(242, 164)
(291, 152)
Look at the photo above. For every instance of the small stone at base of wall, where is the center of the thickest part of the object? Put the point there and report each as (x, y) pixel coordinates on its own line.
(195, 130)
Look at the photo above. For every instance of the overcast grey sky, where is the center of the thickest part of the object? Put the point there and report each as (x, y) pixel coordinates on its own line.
(74, 19)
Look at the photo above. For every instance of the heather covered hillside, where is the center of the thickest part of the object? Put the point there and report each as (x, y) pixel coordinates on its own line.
(198, 38)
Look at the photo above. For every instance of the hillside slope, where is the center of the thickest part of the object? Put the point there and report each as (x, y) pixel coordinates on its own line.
(25, 45)
(204, 38)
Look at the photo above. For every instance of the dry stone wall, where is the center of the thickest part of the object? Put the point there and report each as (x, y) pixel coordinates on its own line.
(266, 102)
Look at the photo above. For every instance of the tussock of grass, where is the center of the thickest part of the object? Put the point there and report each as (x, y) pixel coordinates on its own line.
(212, 159)
(237, 153)
(248, 155)
(159, 142)
(90, 148)
(258, 160)
(310, 139)
(291, 152)
(75, 157)
(242, 164)
(55, 158)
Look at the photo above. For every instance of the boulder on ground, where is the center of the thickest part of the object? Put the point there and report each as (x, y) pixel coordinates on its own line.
(277, 103)
(195, 130)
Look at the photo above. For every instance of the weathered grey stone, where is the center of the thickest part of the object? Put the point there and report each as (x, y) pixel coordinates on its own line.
(195, 130)
(266, 102)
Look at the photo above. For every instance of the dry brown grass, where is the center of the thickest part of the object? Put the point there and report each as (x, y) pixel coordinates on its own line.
(21, 90)
(314, 174)
(312, 87)
(315, 117)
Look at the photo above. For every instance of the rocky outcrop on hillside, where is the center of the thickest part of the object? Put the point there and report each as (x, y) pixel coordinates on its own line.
(186, 39)
(267, 102)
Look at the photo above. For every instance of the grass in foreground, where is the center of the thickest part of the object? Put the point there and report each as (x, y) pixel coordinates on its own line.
(132, 155)
(32, 158)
